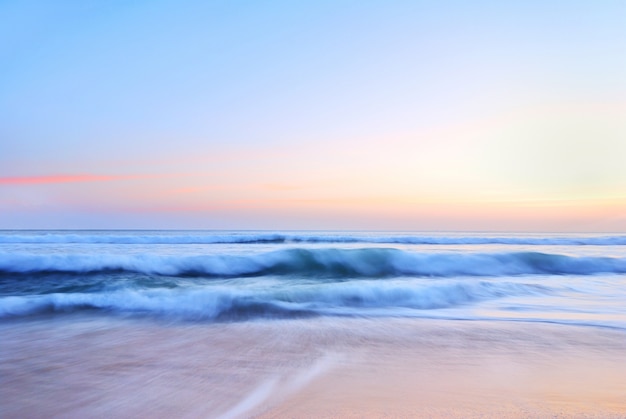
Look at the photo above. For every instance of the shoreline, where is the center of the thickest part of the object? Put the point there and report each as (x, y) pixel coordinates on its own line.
(325, 367)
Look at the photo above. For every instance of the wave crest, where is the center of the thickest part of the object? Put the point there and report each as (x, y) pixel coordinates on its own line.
(330, 263)
(221, 303)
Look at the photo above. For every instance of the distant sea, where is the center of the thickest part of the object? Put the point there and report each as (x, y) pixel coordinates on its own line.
(243, 276)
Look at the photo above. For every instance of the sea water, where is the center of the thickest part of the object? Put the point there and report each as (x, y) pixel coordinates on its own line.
(232, 324)
(240, 276)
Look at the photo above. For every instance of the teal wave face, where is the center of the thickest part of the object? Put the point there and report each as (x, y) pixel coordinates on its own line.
(315, 263)
(219, 302)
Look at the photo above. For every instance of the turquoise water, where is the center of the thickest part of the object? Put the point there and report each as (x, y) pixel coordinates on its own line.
(217, 276)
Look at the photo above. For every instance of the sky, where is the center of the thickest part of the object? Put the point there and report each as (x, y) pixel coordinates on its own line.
(346, 114)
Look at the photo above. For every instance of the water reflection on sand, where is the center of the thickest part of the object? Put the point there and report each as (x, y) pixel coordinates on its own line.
(87, 366)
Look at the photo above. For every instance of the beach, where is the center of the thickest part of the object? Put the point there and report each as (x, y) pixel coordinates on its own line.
(201, 324)
(90, 367)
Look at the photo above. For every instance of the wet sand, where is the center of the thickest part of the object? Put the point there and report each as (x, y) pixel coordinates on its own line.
(332, 367)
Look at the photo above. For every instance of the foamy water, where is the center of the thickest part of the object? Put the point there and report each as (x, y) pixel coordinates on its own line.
(243, 276)
(293, 324)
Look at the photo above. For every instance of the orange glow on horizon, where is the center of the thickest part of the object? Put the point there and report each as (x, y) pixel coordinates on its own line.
(38, 180)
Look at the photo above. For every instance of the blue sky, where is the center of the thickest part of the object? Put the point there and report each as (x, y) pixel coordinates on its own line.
(326, 114)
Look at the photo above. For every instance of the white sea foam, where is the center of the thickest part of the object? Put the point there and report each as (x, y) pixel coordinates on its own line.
(369, 262)
(279, 388)
(212, 302)
(303, 274)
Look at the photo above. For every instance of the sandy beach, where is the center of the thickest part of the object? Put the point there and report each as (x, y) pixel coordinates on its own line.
(90, 367)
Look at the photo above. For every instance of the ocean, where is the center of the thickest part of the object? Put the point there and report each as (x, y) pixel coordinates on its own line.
(211, 276)
(199, 298)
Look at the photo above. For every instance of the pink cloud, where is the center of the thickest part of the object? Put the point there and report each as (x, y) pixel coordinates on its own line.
(38, 180)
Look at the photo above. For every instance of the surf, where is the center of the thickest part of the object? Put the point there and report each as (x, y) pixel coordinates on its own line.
(286, 300)
(314, 263)
(295, 238)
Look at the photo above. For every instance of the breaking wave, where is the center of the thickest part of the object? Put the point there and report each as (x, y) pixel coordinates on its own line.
(348, 263)
(222, 303)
